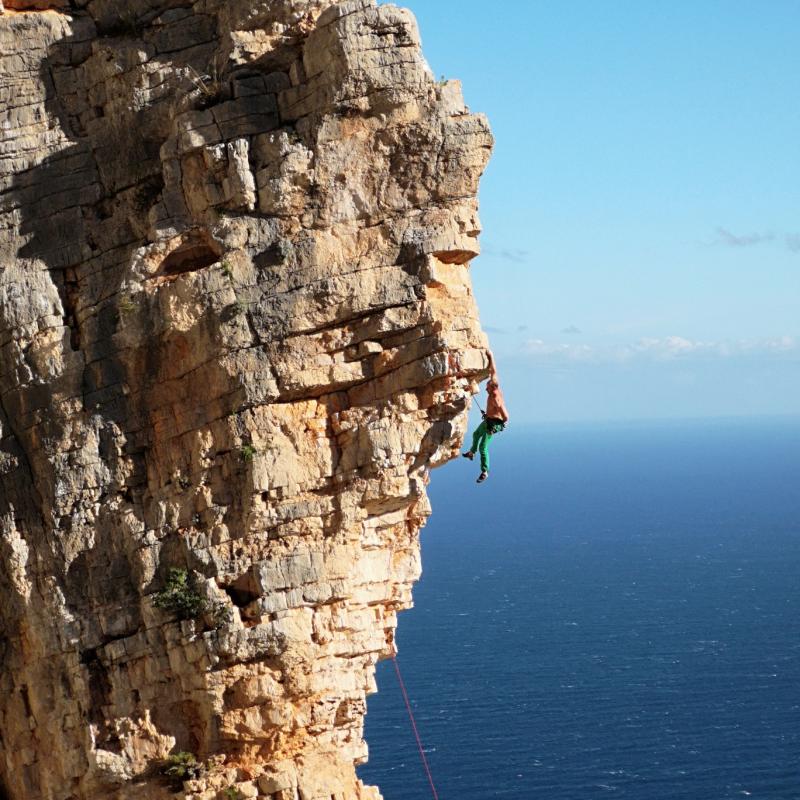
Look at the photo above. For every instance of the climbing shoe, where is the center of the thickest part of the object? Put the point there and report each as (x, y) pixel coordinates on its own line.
(469, 454)
(482, 477)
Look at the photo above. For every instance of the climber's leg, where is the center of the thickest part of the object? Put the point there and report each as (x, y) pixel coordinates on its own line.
(477, 436)
(483, 448)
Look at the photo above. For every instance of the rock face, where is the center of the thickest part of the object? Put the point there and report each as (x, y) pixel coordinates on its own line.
(236, 332)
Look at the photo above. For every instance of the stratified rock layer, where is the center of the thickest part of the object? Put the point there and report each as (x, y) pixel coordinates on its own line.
(236, 332)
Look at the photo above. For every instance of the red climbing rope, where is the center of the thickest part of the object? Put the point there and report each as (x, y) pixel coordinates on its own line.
(414, 726)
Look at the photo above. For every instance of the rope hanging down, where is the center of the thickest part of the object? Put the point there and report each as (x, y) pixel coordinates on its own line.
(414, 727)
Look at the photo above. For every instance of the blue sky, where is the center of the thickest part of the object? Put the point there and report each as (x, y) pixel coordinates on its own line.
(641, 211)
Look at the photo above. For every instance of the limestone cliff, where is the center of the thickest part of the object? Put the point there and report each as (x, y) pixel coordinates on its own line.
(236, 332)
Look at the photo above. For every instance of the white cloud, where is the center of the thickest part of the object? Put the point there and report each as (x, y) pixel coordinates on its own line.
(729, 239)
(742, 240)
(570, 352)
(793, 242)
(668, 348)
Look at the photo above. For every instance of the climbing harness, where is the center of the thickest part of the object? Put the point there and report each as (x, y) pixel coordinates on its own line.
(496, 427)
(414, 727)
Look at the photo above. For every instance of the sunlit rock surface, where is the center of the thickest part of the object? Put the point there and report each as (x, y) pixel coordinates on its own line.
(236, 332)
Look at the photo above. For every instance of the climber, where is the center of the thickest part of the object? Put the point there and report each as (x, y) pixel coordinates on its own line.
(494, 420)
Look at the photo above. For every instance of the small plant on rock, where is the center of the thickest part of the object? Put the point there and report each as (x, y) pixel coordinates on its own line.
(221, 615)
(239, 306)
(211, 86)
(182, 766)
(179, 596)
(232, 793)
(247, 453)
(125, 305)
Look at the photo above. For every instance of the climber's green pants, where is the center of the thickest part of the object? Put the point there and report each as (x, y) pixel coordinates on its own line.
(480, 444)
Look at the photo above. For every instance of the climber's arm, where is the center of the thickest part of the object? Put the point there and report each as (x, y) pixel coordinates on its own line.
(492, 368)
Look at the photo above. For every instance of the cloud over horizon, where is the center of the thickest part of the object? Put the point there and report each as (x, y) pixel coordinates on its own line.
(793, 242)
(666, 349)
(746, 240)
(728, 239)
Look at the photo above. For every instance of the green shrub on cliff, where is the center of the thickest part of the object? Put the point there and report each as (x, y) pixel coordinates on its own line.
(182, 766)
(179, 596)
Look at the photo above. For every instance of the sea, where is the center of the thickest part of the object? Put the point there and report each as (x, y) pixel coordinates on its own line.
(615, 613)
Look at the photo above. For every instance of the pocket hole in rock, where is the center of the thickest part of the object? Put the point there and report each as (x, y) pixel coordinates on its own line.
(198, 251)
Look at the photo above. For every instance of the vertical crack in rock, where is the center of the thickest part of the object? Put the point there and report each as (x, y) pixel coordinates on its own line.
(236, 333)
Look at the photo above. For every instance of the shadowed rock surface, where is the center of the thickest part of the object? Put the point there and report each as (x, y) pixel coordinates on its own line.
(236, 332)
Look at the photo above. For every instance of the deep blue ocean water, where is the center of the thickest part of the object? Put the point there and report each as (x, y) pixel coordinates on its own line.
(614, 614)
